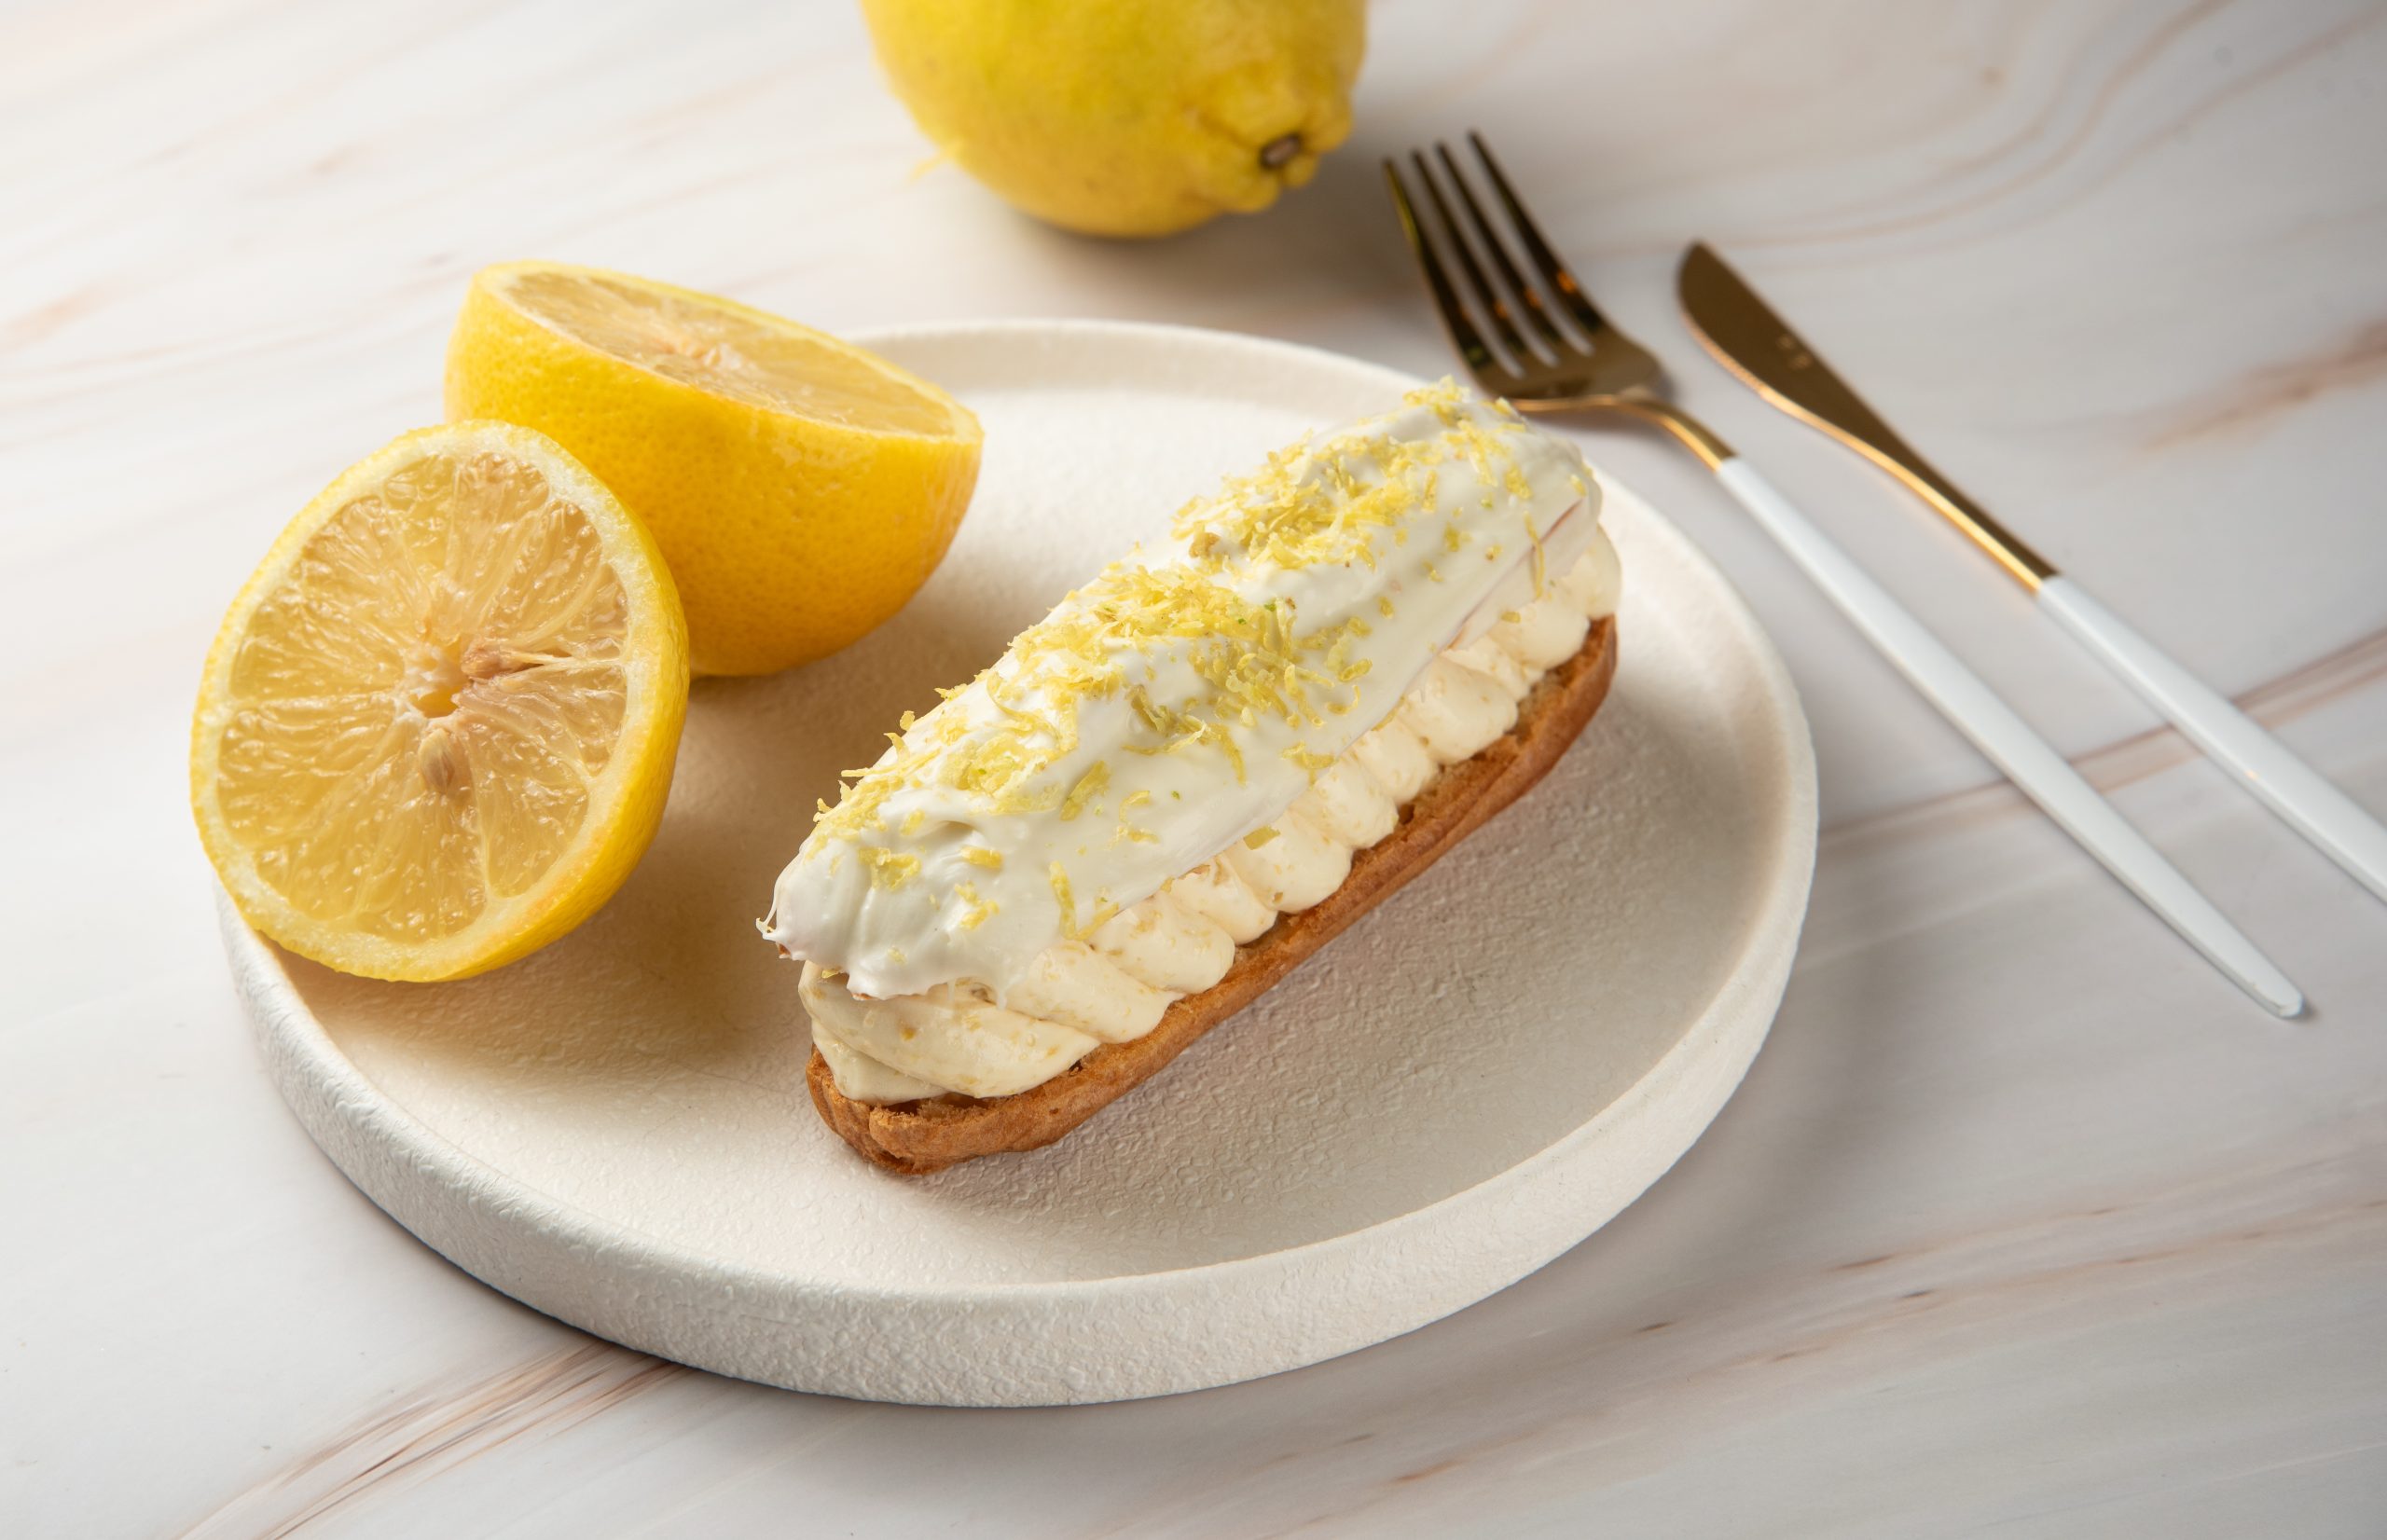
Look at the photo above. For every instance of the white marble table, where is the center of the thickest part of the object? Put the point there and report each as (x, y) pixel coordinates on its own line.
(2024, 1222)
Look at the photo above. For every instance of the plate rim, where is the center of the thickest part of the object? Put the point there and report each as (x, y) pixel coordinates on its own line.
(313, 1077)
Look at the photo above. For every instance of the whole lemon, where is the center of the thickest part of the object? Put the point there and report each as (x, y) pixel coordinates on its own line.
(1127, 116)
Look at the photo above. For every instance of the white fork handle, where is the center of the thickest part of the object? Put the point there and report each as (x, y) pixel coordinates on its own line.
(2009, 743)
(2286, 785)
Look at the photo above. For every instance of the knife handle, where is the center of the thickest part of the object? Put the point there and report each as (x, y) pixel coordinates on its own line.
(2008, 742)
(2299, 794)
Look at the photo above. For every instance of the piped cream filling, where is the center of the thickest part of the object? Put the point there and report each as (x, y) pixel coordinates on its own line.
(1115, 984)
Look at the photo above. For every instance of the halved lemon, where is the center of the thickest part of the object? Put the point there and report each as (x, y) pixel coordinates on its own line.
(437, 727)
(801, 488)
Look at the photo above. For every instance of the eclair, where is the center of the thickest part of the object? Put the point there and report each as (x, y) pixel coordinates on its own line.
(1205, 764)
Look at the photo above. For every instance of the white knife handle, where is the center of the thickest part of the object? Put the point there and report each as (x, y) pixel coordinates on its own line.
(2294, 789)
(2009, 743)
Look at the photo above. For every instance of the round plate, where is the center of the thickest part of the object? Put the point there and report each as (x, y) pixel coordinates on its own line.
(1481, 1073)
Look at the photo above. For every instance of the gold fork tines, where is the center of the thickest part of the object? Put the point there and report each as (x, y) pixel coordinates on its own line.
(1587, 363)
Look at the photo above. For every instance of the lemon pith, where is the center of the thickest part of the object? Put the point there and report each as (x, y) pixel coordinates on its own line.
(800, 488)
(436, 728)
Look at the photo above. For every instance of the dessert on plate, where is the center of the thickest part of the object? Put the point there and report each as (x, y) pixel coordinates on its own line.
(1197, 770)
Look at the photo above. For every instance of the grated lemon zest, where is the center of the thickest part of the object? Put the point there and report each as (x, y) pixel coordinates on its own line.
(1060, 880)
(889, 869)
(978, 911)
(1308, 759)
(1089, 786)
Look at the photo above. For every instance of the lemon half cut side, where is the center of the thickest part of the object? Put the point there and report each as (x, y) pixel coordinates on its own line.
(801, 488)
(436, 729)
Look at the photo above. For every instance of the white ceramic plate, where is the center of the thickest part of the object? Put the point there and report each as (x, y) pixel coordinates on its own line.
(1479, 1075)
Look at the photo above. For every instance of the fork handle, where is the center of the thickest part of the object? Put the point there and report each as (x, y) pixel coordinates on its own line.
(2008, 742)
(2299, 794)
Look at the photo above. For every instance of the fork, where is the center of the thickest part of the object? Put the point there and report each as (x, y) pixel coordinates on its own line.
(1556, 353)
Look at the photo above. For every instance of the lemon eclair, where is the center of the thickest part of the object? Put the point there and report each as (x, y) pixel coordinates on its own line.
(1196, 770)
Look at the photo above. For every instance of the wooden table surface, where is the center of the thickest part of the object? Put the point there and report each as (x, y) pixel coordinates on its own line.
(2024, 1223)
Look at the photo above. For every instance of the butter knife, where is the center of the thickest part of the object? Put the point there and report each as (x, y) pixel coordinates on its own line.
(1763, 349)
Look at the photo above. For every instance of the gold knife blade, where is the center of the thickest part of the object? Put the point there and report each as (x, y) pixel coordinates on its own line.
(1744, 333)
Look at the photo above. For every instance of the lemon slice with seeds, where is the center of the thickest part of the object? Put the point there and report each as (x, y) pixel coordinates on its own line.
(437, 726)
(801, 488)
